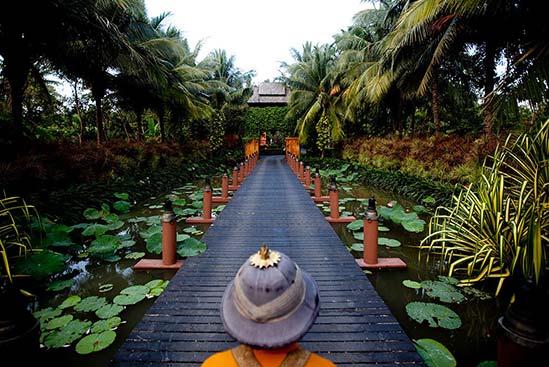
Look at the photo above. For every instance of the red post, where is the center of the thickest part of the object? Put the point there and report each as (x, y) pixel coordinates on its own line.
(241, 172)
(169, 234)
(225, 186)
(317, 185)
(334, 201)
(235, 178)
(207, 203)
(307, 177)
(371, 234)
(301, 172)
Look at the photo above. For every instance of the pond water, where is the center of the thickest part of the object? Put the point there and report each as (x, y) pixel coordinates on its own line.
(471, 344)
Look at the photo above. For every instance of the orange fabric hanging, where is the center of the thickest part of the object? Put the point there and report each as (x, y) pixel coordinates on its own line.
(267, 358)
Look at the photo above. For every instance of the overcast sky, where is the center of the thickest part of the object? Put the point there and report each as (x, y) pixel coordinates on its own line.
(258, 33)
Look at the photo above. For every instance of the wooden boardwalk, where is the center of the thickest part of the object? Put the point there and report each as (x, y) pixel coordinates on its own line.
(354, 327)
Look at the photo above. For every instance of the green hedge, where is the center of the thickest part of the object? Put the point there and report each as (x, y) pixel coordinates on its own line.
(268, 119)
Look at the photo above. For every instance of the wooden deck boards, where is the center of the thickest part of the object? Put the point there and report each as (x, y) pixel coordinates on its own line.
(354, 327)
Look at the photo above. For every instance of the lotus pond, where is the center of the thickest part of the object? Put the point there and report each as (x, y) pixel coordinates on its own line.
(90, 308)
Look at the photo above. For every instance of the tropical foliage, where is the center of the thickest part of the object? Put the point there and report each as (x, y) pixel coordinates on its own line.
(499, 225)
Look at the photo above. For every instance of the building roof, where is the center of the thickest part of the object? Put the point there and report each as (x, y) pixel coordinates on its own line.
(269, 94)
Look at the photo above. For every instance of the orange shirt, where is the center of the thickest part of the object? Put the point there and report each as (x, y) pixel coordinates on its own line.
(267, 358)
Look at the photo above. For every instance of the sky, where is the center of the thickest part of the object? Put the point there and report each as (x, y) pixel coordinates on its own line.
(258, 33)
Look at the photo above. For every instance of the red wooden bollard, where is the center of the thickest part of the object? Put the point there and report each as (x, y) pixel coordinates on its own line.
(370, 260)
(301, 172)
(317, 198)
(169, 235)
(234, 185)
(308, 178)
(241, 175)
(334, 206)
(169, 244)
(224, 198)
(206, 208)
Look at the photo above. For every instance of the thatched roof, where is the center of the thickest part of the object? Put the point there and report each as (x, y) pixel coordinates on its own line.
(269, 94)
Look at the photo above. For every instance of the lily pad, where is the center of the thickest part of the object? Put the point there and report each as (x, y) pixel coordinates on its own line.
(126, 244)
(42, 264)
(108, 324)
(434, 353)
(411, 284)
(154, 243)
(135, 289)
(67, 335)
(47, 314)
(95, 229)
(389, 242)
(179, 202)
(92, 214)
(435, 315)
(157, 283)
(358, 236)
(397, 214)
(182, 237)
(358, 246)
(95, 342)
(134, 255)
(383, 229)
(59, 285)
(58, 239)
(109, 311)
(69, 302)
(415, 226)
(152, 230)
(104, 245)
(90, 304)
(443, 291)
(58, 322)
(121, 205)
(190, 247)
(121, 195)
(128, 299)
(356, 225)
(105, 287)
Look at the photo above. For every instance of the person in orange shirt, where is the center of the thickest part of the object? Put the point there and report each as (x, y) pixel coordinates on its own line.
(269, 305)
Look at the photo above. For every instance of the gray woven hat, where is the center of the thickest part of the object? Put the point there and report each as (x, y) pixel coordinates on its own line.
(271, 302)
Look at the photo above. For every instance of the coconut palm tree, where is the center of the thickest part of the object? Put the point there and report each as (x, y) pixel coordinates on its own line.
(316, 95)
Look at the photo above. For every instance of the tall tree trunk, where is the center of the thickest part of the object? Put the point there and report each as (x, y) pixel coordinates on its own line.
(161, 123)
(435, 102)
(98, 94)
(78, 113)
(489, 80)
(16, 70)
(139, 117)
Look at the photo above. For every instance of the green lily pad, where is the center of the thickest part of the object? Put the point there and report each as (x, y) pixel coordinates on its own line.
(179, 202)
(58, 322)
(156, 206)
(383, 229)
(157, 283)
(187, 212)
(67, 335)
(189, 229)
(109, 311)
(190, 247)
(110, 258)
(435, 315)
(108, 324)
(443, 291)
(182, 237)
(47, 314)
(197, 204)
(411, 284)
(95, 342)
(358, 236)
(59, 285)
(389, 242)
(104, 245)
(95, 229)
(134, 255)
(90, 304)
(356, 225)
(199, 195)
(488, 364)
(476, 293)
(126, 244)
(154, 243)
(358, 246)
(135, 289)
(434, 353)
(92, 214)
(151, 231)
(397, 214)
(415, 226)
(70, 301)
(128, 299)
(105, 287)
(58, 239)
(121, 195)
(112, 218)
(122, 206)
(115, 225)
(42, 264)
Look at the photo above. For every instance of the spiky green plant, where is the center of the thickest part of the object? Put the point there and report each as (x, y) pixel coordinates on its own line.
(499, 225)
(14, 241)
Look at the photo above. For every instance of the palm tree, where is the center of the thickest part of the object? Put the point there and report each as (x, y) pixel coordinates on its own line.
(511, 29)
(315, 96)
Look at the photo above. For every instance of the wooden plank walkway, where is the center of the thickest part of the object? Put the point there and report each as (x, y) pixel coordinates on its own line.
(354, 327)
